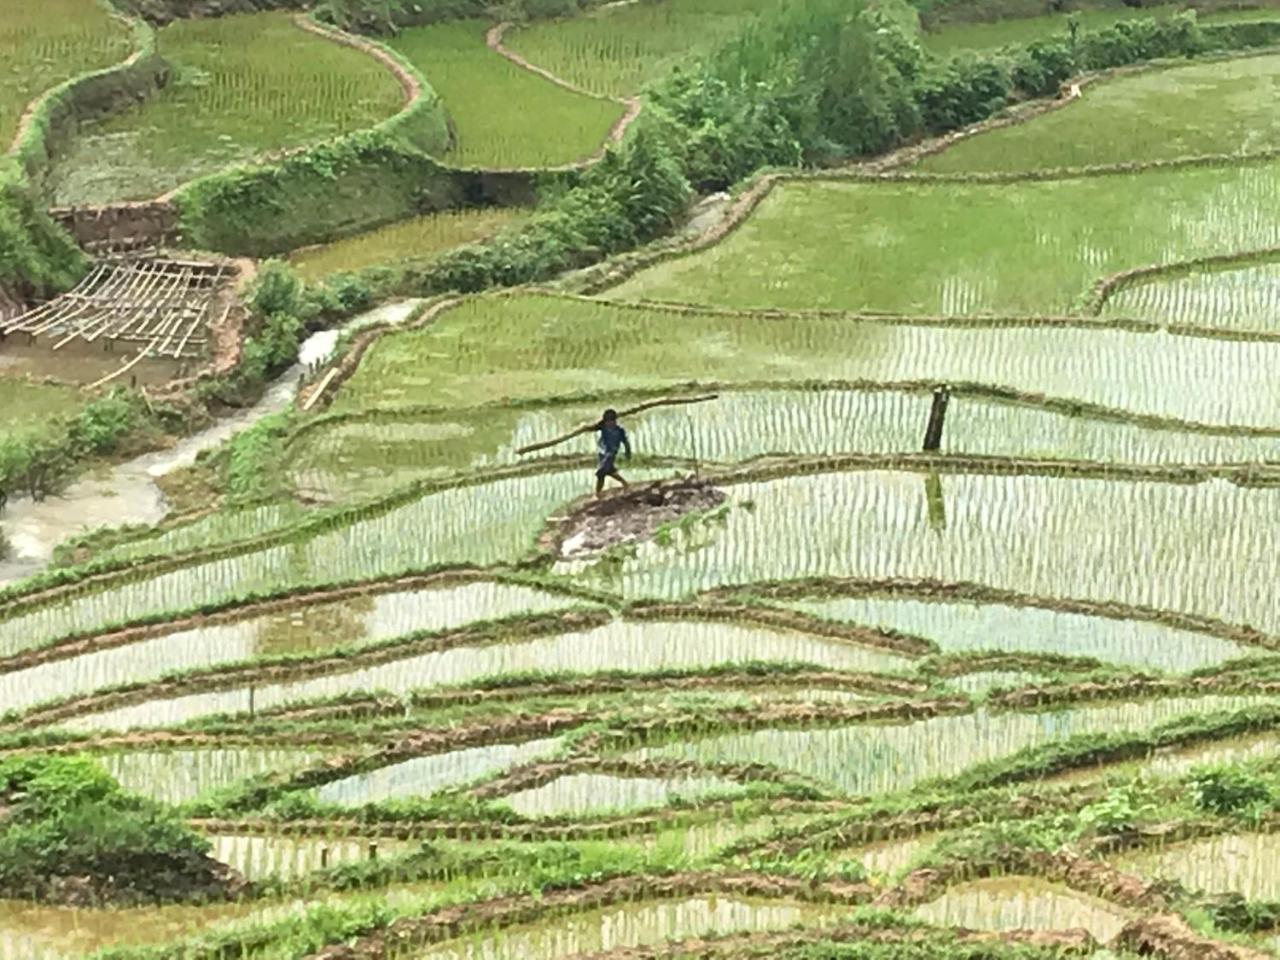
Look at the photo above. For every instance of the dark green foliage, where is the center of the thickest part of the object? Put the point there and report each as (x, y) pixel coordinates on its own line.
(37, 465)
(37, 258)
(1040, 69)
(68, 832)
(960, 91)
(1229, 790)
(1132, 41)
(1231, 911)
(276, 305)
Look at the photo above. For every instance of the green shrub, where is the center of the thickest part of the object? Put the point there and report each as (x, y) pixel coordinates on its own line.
(961, 91)
(1120, 810)
(1040, 69)
(70, 833)
(1229, 790)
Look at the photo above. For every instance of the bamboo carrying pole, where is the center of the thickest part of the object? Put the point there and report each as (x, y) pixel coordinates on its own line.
(591, 427)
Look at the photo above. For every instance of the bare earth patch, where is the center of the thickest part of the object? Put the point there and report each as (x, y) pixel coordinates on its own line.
(630, 516)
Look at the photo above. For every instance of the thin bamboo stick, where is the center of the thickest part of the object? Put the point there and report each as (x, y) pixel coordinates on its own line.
(630, 411)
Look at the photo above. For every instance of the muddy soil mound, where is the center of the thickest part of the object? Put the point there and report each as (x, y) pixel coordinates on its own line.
(630, 516)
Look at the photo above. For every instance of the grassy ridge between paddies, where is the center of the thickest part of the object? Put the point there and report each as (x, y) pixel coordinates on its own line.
(503, 115)
(1221, 107)
(417, 240)
(619, 49)
(243, 85)
(45, 44)
(516, 348)
(1026, 248)
(952, 38)
(1243, 297)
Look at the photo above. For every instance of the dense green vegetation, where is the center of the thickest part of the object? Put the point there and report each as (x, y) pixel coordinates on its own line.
(69, 833)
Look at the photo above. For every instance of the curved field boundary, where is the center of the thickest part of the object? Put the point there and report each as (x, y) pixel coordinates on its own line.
(1114, 283)
(281, 670)
(410, 83)
(236, 611)
(73, 581)
(138, 74)
(497, 914)
(886, 169)
(970, 592)
(633, 105)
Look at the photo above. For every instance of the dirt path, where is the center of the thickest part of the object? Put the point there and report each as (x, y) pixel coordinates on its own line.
(630, 516)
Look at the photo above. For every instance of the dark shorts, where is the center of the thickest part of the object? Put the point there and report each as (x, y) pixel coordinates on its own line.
(605, 463)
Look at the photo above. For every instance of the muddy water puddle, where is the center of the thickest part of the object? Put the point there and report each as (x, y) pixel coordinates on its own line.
(1024, 903)
(632, 925)
(175, 776)
(870, 759)
(579, 794)
(618, 645)
(422, 776)
(309, 628)
(1244, 863)
(967, 627)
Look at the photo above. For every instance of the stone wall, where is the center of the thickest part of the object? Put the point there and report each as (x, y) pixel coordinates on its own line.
(120, 226)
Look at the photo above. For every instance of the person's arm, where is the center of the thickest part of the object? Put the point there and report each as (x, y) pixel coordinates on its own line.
(626, 444)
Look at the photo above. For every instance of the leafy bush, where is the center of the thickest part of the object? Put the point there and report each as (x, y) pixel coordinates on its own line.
(1120, 810)
(1040, 69)
(70, 833)
(1229, 790)
(960, 91)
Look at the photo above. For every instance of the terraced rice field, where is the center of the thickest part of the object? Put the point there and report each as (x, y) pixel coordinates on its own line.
(408, 241)
(47, 44)
(959, 37)
(1194, 110)
(243, 86)
(620, 48)
(1026, 680)
(503, 115)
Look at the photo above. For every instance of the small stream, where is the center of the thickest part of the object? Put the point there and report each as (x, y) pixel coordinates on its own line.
(127, 493)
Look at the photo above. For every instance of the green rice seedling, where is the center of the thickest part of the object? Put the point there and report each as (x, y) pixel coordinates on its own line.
(244, 85)
(641, 646)
(871, 759)
(1042, 536)
(43, 45)
(423, 776)
(503, 115)
(314, 628)
(1244, 298)
(288, 858)
(416, 241)
(1024, 903)
(949, 38)
(620, 49)
(1025, 249)
(644, 923)
(963, 627)
(580, 794)
(521, 348)
(176, 776)
(1242, 863)
(1195, 110)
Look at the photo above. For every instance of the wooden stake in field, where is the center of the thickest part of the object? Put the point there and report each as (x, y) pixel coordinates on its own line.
(594, 425)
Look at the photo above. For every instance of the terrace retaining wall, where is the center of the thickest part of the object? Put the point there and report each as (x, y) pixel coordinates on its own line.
(120, 225)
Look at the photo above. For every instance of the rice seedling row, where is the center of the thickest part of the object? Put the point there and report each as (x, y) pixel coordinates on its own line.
(1245, 298)
(243, 86)
(503, 115)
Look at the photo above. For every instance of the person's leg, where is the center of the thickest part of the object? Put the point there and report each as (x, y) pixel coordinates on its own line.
(599, 485)
(617, 476)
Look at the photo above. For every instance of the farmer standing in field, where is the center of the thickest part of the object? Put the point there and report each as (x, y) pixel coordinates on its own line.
(611, 438)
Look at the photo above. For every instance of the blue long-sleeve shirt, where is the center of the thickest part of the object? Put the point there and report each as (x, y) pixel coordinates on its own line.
(610, 439)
